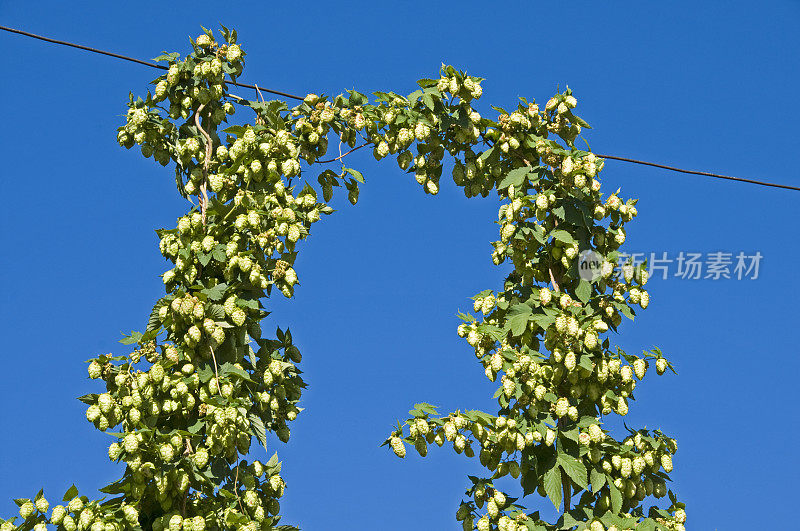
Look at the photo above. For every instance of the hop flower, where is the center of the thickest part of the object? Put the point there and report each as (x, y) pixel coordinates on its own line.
(596, 525)
(114, 451)
(42, 504)
(539, 391)
(545, 296)
(95, 370)
(622, 406)
(131, 514)
(130, 443)
(607, 269)
(661, 365)
(26, 509)
(175, 522)
(638, 464)
(666, 463)
(294, 233)
(166, 452)
(626, 373)
(584, 439)
(201, 458)
(234, 53)
(509, 386)
(398, 446)
(290, 276)
(596, 433)
(421, 131)
(450, 431)
(644, 300)
(238, 317)
(572, 326)
(625, 467)
(640, 367)
(496, 361)
(570, 361)
(93, 413)
(507, 231)
(105, 402)
(484, 524)
(562, 405)
(590, 340)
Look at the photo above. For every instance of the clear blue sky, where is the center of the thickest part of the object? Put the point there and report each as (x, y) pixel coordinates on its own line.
(709, 85)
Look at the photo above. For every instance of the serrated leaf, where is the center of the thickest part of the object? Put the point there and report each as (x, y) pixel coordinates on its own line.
(216, 293)
(616, 498)
(574, 469)
(552, 485)
(598, 479)
(258, 429)
(517, 318)
(583, 291)
(563, 236)
(515, 177)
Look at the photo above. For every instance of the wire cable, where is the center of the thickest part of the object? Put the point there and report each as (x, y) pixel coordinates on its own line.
(292, 96)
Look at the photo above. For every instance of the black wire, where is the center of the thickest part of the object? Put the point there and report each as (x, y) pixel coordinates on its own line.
(693, 172)
(132, 59)
(292, 96)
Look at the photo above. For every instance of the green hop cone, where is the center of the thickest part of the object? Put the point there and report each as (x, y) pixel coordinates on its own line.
(545, 296)
(114, 451)
(95, 370)
(130, 443)
(166, 452)
(661, 365)
(640, 368)
(238, 317)
(562, 406)
(42, 505)
(666, 463)
(26, 509)
(398, 446)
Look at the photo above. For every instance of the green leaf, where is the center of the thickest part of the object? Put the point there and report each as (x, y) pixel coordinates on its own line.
(216, 293)
(134, 337)
(356, 174)
(598, 479)
(515, 177)
(574, 469)
(616, 498)
(517, 318)
(71, 493)
(257, 428)
(646, 525)
(563, 236)
(552, 485)
(584, 291)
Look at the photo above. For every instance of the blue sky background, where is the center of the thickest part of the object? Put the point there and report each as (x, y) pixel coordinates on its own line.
(709, 85)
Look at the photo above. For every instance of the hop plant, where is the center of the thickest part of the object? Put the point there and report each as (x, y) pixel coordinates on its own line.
(247, 201)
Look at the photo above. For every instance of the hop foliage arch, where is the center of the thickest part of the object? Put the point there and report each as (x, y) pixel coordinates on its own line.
(202, 380)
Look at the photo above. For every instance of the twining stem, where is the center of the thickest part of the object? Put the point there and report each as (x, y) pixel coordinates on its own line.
(209, 147)
(343, 156)
(213, 357)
